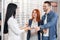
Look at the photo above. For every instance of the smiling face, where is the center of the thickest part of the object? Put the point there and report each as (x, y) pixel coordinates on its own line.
(34, 14)
(46, 7)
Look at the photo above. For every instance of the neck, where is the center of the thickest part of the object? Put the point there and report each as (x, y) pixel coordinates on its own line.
(34, 19)
(48, 11)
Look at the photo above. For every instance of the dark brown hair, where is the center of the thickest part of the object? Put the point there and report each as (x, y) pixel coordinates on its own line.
(48, 2)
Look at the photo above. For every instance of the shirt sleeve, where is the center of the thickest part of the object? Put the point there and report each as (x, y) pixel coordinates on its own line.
(13, 25)
(53, 21)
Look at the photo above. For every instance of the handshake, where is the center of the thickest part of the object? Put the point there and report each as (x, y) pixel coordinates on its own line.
(35, 28)
(29, 28)
(26, 28)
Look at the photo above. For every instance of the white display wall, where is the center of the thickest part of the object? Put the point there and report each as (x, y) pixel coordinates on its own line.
(24, 9)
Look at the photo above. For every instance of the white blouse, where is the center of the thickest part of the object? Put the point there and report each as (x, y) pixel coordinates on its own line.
(34, 24)
(14, 32)
(34, 35)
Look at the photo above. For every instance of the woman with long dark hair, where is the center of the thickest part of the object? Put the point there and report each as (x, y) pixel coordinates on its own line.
(11, 26)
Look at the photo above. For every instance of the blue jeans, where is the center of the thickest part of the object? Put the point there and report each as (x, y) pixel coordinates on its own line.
(54, 38)
(46, 38)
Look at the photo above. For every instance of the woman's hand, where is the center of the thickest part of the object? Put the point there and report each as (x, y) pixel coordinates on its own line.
(27, 28)
(26, 25)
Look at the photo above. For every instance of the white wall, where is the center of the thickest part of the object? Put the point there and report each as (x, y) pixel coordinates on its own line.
(25, 8)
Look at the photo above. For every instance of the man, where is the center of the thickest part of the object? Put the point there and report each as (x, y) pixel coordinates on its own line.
(49, 22)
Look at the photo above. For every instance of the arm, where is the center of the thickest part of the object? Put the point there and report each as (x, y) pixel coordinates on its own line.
(15, 27)
(52, 22)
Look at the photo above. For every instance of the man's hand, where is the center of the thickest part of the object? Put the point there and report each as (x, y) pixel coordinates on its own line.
(45, 31)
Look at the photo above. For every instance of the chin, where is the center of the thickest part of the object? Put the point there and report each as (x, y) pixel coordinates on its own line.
(44, 10)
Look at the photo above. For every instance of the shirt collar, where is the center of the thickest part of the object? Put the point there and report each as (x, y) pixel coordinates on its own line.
(49, 13)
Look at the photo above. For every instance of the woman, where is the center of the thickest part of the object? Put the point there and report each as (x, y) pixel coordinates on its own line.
(11, 25)
(33, 34)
